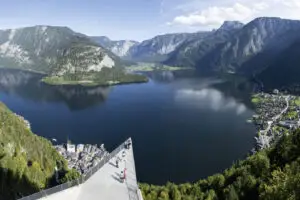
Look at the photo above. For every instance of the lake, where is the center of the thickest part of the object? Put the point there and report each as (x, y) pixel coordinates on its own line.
(183, 127)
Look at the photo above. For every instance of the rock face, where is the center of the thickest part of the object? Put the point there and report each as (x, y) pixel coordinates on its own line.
(158, 48)
(120, 48)
(238, 48)
(40, 48)
(80, 58)
(255, 45)
(229, 25)
(197, 48)
(152, 50)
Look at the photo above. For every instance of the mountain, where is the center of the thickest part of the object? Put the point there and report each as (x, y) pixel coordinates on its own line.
(39, 48)
(82, 57)
(158, 48)
(27, 162)
(229, 25)
(103, 41)
(253, 47)
(193, 50)
(65, 56)
(237, 48)
(153, 50)
(120, 48)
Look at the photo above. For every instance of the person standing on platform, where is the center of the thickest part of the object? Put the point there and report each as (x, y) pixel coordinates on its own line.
(124, 174)
(117, 162)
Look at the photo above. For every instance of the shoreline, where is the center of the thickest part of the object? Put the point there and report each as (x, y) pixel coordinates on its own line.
(27, 123)
(91, 84)
(137, 69)
(23, 70)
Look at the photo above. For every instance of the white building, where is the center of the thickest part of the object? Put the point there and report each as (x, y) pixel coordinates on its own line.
(80, 148)
(71, 148)
(275, 91)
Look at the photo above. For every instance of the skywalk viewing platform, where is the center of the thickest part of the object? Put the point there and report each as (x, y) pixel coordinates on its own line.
(106, 183)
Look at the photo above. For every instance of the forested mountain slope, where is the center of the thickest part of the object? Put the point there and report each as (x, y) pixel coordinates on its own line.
(27, 161)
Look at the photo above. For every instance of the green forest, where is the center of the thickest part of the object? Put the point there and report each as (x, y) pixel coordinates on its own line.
(107, 76)
(27, 161)
(271, 174)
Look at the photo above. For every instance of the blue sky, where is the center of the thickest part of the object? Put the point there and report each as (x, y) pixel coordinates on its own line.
(139, 19)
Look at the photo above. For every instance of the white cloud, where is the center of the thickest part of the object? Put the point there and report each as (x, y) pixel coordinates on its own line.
(215, 15)
(261, 6)
(209, 98)
(289, 3)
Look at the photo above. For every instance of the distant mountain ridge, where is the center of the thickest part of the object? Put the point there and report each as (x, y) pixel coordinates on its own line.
(234, 47)
(120, 48)
(152, 50)
(229, 25)
(254, 46)
(39, 48)
(197, 48)
(244, 49)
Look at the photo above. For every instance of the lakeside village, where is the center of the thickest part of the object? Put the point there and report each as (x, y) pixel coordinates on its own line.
(276, 114)
(82, 157)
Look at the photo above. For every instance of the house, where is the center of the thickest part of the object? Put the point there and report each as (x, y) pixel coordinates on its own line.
(289, 124)
(276, 91)
(71, 148)
(80, 148)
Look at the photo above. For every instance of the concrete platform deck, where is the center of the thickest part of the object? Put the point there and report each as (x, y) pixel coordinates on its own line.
(106, 183)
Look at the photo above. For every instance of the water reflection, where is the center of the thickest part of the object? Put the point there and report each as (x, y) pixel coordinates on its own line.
(172, 124)
(169, 76)
(27, 85)
(209, 98)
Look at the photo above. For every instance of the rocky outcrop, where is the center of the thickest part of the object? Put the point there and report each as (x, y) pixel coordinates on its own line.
(120, 48)
(40, 48)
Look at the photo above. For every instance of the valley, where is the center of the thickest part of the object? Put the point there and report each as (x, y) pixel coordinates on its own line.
(244, 49)
(148, 67)
(184, 98)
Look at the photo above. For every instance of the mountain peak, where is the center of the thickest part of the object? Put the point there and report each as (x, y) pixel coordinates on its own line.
(229, 25)
(273, 20)
(268, 19)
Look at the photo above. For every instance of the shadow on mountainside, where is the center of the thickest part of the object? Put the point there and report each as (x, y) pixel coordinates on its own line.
(14, 185)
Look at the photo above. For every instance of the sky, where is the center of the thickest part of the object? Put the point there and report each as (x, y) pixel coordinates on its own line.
(140, 19)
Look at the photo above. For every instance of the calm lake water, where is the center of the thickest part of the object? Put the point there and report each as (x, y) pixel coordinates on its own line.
(183, 127)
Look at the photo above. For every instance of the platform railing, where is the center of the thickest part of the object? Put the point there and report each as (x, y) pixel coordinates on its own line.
(80, 180)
